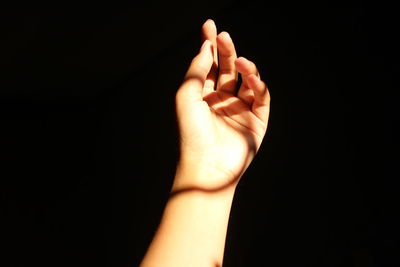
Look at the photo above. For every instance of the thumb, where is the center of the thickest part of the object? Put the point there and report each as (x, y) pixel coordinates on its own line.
(196, 75)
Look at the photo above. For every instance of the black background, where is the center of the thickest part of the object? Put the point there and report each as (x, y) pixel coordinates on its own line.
(89, 146)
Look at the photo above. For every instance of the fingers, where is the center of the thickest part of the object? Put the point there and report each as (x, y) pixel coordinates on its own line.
(245, 68)
(197, 73)
(200, 77)
(262, 97)
(253, 91)
(227, 77)
(209, 32)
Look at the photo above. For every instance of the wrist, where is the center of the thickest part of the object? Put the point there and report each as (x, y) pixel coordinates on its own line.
(201, 177)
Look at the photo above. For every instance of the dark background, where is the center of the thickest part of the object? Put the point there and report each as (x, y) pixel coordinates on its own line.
(88, 138)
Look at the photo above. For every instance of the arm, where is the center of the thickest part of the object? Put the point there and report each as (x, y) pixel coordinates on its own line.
(220, 133)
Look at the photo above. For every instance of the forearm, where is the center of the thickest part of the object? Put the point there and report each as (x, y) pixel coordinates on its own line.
(193, 228)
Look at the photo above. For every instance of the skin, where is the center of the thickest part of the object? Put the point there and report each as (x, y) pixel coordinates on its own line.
(221, 130)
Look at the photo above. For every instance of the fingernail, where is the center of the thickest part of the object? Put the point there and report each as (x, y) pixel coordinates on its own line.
(227, 34)
(211, 21)
(205, 44)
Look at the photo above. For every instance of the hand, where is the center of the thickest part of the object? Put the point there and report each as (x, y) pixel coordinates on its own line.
(220, 129)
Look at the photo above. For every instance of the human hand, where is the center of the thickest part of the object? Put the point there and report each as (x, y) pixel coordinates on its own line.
(220, 129)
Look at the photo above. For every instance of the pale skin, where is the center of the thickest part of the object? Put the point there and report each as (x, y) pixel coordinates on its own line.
(221, 130)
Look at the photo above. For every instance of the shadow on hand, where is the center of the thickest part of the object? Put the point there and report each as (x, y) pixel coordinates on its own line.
(213, 100)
